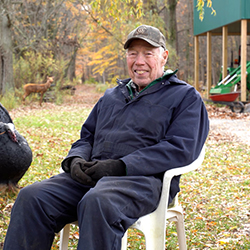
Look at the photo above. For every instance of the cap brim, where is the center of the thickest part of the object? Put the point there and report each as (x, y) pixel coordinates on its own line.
(126, 45)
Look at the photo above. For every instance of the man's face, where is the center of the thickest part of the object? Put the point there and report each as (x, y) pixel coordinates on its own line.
(145, 62)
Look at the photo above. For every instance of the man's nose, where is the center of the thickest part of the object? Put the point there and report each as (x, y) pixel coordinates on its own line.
(140, 59)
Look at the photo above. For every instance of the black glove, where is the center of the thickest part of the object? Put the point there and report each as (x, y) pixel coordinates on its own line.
(97, 169)
(77, 172)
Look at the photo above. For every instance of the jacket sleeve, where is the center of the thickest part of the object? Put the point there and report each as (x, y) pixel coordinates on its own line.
(182, 143)
(83, 147)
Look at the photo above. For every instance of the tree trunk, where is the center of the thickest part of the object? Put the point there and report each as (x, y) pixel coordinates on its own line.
(6, 60)
(72, 66)
(172, 23)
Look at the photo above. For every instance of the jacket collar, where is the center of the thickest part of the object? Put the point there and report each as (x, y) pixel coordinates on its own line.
(128, 87)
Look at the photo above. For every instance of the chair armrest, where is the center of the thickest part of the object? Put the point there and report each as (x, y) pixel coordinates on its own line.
(185, 169)
(169, 174)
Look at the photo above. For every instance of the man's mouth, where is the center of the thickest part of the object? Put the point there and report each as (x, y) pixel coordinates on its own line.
(140, 72)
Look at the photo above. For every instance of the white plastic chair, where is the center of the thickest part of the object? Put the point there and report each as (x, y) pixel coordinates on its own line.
(153, 225)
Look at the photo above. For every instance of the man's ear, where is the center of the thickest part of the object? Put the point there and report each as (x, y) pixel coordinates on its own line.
(164, 57)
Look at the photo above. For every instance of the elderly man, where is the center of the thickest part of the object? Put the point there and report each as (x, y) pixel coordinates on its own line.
(148, 124)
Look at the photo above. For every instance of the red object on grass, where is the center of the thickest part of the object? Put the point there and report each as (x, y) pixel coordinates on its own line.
(230, 97)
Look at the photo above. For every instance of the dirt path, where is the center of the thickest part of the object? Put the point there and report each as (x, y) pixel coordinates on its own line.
(228, 126)
(232, 130)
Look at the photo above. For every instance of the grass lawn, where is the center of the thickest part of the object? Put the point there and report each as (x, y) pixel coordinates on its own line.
(216, 198)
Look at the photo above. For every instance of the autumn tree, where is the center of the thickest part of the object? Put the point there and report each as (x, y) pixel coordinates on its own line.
(200, 8)
(109, 24)
(49, 28)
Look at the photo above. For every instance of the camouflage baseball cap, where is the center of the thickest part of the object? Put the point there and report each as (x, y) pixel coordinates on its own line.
(147, 33)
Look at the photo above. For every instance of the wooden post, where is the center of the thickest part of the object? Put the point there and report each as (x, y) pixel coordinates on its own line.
(224, 51)
(196, 62)
(243, 60)
(209, 61)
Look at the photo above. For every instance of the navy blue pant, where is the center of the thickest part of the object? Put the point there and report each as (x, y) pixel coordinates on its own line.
(104, 212)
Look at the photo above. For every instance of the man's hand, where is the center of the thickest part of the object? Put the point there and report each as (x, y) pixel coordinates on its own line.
(77, 172)
(97, 169)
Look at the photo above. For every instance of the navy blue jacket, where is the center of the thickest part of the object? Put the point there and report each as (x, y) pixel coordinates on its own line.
(164, 127)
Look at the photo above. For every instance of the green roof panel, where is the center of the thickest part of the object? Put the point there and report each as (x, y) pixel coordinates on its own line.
(228, 12)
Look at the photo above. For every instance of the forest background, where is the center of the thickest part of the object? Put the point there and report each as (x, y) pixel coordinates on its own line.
(82, 41)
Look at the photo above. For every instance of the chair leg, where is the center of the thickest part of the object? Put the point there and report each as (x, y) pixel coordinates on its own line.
(64, 237)
(181, 232)
(154, 240)
(124, 241)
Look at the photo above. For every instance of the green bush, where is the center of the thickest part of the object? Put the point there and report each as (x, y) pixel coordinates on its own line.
(35, 67)
(9, 100)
